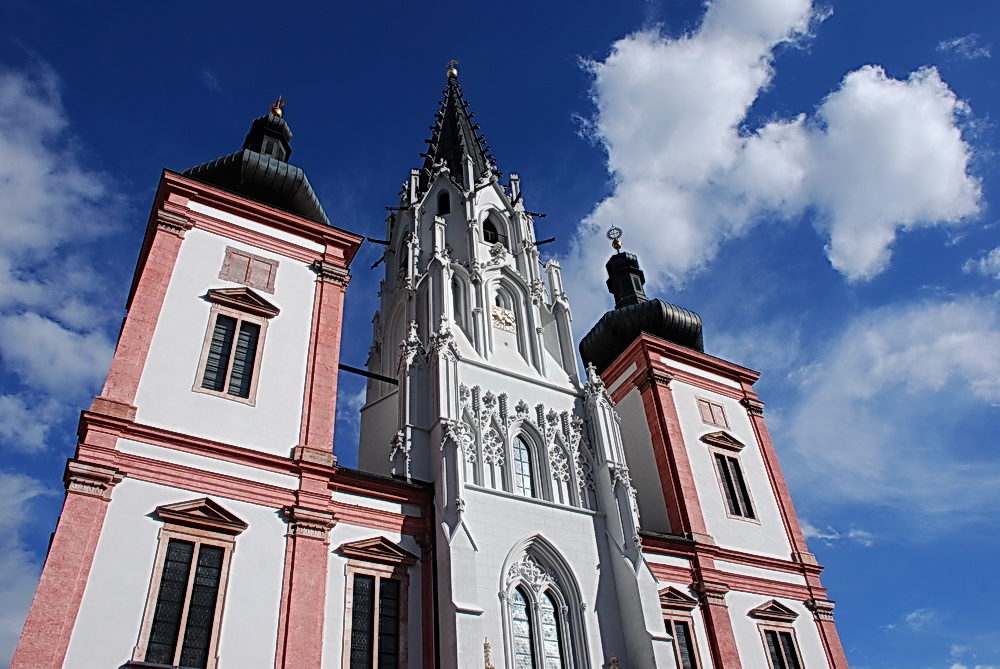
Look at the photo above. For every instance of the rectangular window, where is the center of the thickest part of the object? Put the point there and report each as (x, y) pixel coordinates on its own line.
(232, 354)
(734, 486)
(781, 649)
(375, 598)
(186, 599)
(684, 646)
(712, 413)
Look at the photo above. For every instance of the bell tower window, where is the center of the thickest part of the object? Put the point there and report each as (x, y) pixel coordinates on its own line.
(444, 203)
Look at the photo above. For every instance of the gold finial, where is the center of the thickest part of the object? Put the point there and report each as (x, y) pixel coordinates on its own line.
(615, 235)
(452, 70)
(277, 105)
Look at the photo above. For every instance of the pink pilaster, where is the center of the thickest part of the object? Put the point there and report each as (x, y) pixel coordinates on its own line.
(303, 600)
(47, 631)
(148, 295)
(721, 639)
(319, 406)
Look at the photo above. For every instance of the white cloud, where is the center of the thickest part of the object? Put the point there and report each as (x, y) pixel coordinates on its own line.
(830, 535)
(879, 155)
(987, 265)
(967, 47)
(19, 567)
(55, 314)
(25, 421)
(920, 619)
(48, 357)
(882, 409)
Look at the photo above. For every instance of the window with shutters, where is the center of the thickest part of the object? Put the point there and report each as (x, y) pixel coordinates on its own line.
(186, 597)
(781, 647)
(778, 634)
(678, 609)
(234, 343)
(712, 413)
(248, 269)
(734, 487)
(376, 604)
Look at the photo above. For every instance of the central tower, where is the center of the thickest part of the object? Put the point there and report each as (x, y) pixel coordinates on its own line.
(476, 388)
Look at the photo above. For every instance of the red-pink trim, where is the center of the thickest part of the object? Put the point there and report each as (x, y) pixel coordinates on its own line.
(49, 627)
(303, 600)
(144, 312)
(319, 406)
(778, 485)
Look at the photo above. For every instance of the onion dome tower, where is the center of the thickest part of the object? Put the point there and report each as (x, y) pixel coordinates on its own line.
(635, 313)
(261, 170)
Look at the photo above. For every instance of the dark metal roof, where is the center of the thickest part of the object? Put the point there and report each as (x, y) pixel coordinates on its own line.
(453, 137)
(265, 178)
(634, 314)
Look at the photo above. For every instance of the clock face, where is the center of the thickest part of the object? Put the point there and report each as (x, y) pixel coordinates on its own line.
(504, 319)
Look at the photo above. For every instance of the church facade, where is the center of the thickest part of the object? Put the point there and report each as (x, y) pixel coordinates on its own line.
(507, 510)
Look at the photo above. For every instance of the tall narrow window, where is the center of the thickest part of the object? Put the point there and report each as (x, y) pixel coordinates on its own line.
(734, 486)
(524, 645)
(184, 611)
(230, 360)
(781, 649)
(551, 642)
(677, 609)
(684, 649)
(377, 573)
(444, 203)
(490, 234)
(523, 479)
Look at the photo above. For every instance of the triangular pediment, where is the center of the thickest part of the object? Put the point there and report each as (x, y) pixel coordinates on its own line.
(773, 610)
(242, 299)
(723, 440)
(672, 598)
(203, 513)
(377, 549)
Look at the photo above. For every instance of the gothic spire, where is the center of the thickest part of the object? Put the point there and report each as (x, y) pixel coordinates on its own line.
(454, 137)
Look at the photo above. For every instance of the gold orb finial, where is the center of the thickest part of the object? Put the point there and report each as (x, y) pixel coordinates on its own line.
(615, 235)
(277, 105)
(452, 70)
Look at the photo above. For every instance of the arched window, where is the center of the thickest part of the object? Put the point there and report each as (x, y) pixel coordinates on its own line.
(524, 483)
(490, 234)
(444, 203)
(542, 611)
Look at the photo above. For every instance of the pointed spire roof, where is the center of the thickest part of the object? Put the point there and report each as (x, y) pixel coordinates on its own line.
(454, 136)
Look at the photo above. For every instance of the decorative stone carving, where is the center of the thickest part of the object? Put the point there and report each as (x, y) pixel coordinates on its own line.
(88, 479)
(754, 407)
(411, 347)
(498, 254)
(559, 462)
(531, 573)
(310, 523)
(461, 435)
(493, 448)
(330, 273)
(400, 450)
(175, 224)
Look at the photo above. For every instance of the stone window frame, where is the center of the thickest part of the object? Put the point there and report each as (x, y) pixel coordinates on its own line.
(712, 405)
(202, 522)
(773, 616)
(725, 445)
(245, 306)
(678, 606)
(382, 559)
(229, 273)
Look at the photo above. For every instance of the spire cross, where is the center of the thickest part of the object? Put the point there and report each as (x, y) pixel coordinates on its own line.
(277, 105)
(452, 63)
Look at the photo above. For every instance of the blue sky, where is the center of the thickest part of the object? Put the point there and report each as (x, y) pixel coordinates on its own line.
(817, 180)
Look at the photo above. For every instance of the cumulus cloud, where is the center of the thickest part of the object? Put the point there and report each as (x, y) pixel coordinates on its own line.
(19, 567)
(967, 47)
(55, 315)
(987, 265)
(878, 156)
(883, 411)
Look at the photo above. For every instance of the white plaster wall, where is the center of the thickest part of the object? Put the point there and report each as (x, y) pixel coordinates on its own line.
(256, 227)
(748, 637)
(107, 628)
(766, 537)
(559, 397)
(641, 462)
(166, 397)
(333, 636)
(747, 570)
(498, 522)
